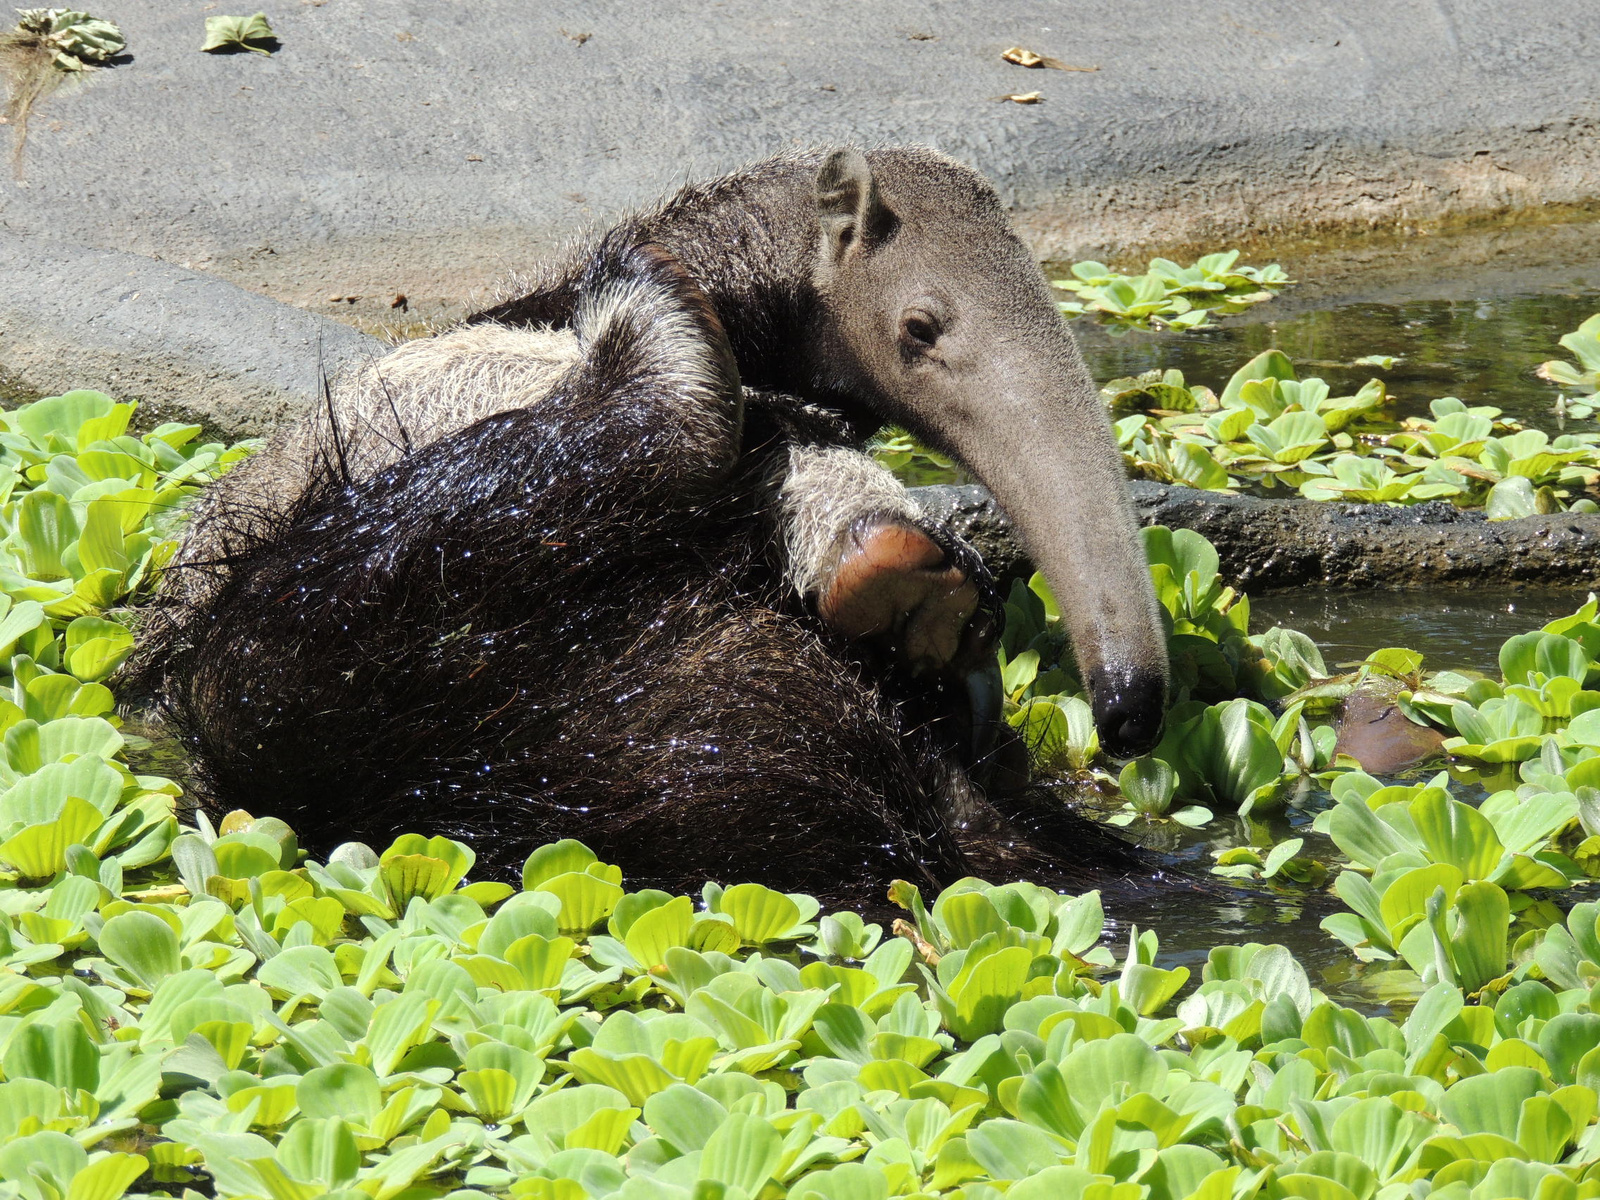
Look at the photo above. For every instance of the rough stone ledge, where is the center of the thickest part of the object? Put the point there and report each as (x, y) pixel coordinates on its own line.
(187, 346)
(392, 146)
(1272, 544)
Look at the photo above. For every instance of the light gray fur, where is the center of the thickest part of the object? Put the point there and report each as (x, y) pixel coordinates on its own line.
(825, 492)
(417, 393)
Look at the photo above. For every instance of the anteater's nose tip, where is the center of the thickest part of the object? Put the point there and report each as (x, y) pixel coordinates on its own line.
(1129, 709)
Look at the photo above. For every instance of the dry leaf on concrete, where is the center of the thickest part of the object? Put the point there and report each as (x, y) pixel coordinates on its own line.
(1022, 97)
(1024, 57)
(232, 34)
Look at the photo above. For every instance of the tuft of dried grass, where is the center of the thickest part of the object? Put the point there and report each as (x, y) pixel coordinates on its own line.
(30, 74)
(46, 48)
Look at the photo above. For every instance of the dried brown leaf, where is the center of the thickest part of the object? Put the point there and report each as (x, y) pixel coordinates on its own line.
(1023, 57)
(905, 929)
(1022, 97)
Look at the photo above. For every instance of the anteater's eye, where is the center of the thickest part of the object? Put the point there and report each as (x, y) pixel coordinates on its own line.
(919, 330)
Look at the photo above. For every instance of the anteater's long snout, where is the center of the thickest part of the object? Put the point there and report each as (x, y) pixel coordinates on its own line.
(1047, 453)
(1129, 707)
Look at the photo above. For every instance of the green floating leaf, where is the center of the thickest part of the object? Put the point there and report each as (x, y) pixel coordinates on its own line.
(397, 1026)
(1059, 732)
(142, 944)
(341, 1090)
(40, 851)
(1149, 785)
(107, 1177)
(586, 900)
(48, 1158)
(320, 1151)
(427, 867)
(743, 1153)
(60, 1054)
(760, 915)
(659, 930)
(1011, 1150)
(557, 858)
(95, 647)
(46, 528)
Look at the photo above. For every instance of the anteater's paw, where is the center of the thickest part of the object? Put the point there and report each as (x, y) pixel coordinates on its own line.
(923, 594)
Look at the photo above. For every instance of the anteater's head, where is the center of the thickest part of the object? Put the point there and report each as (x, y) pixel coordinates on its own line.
(935, 315)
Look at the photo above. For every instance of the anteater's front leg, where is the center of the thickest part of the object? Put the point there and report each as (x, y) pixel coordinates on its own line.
(655, 364)
(858, 549)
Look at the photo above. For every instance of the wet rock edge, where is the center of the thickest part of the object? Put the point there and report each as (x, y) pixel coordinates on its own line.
(1268, 545)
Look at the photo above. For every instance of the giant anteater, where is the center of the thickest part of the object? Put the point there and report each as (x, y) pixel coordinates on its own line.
(555, 574)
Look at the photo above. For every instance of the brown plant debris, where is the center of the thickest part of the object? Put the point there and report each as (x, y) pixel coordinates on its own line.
(928, 952)
(1028, 58)
(47, 47)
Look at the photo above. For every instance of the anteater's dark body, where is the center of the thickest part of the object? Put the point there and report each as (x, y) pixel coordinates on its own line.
(596, 615)
(565, 622)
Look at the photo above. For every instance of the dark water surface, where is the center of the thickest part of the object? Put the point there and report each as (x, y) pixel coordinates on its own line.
(1471, 317)
(1454, 628)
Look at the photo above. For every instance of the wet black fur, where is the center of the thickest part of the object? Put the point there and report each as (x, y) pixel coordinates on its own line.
(565, 622)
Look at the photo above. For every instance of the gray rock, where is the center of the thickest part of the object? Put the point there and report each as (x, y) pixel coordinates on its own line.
(390, 146)
(186, 346)
(1273, 544)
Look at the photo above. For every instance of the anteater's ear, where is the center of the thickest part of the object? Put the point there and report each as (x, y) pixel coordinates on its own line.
(849, 208)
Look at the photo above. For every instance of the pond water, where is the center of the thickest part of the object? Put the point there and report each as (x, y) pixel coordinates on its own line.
(1454, 630)
(1470, 316)
(1483, 351)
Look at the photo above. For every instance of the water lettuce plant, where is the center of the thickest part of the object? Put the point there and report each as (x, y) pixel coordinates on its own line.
(1539, 705)
(1169, 294)
(199, 1008)
(1223, 749)
(379, 1026)
(1270, 430)
(1581, 378)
